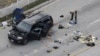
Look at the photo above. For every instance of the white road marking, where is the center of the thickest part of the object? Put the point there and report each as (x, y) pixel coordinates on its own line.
(83, 49)
(96, 21)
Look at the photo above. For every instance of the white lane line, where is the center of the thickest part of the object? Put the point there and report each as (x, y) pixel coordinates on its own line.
(96, 21)
(80, 51)
(83, 50)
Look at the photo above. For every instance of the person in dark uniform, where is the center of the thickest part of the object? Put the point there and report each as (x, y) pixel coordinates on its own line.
(75, 16)
(72, 20)
(72, 15)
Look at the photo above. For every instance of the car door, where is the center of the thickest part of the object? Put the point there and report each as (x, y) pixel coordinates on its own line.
(48, 22)
(36, 33)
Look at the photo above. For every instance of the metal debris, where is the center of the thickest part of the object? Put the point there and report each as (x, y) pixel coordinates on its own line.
(57, 41)
(48, 51)
(61, 26)
(55, 47)
(61, 16)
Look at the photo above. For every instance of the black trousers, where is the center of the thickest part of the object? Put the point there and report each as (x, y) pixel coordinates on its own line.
(72, 17)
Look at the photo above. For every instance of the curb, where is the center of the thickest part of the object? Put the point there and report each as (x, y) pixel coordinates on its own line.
(39, 6)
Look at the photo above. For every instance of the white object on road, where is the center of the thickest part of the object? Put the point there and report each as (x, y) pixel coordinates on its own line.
(85, 39)
(4, 23)
(77, 33)
(69, 25)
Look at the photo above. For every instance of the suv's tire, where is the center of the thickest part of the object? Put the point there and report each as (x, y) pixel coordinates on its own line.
(25, 42)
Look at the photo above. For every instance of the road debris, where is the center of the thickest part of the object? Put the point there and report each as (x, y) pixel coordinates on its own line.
(48, 51)
(57, 41)
(55, 47)
(61, 16)
(60, 26)
(88, 40)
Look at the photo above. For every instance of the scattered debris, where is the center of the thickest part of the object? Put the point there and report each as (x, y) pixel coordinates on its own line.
(61, 16)
(88, 40)
(55, 47)
(61, 26)
(91, 44)
(57, 41)
(68, 54)
(66, 34)
(69, 25)
(48, 51)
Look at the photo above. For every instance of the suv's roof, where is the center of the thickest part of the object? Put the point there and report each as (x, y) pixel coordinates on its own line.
(35, 18)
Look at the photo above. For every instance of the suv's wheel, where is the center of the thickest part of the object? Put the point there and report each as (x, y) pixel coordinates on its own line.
(25, 42)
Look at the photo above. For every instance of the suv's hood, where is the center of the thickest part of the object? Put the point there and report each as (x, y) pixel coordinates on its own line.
(17, 33)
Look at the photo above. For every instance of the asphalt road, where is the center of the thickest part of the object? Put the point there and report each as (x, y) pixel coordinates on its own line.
(88, 23)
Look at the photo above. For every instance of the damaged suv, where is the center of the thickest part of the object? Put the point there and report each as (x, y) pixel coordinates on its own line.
(31, 29)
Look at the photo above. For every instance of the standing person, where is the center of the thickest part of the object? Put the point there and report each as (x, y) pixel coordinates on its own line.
(75, 16)
(72, 20)
(72, 15)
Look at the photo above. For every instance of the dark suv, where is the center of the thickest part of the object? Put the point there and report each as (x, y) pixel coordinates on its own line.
(31, 29)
